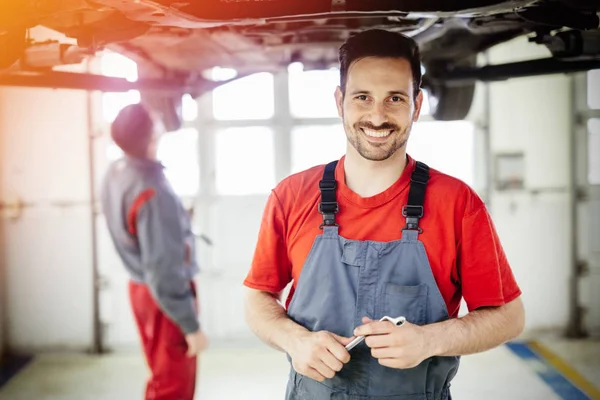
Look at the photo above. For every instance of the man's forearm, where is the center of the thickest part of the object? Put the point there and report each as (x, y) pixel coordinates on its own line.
(269, 321)
(478, 331)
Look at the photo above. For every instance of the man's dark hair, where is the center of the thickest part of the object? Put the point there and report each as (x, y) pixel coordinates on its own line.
(380, 43)
(132, 130)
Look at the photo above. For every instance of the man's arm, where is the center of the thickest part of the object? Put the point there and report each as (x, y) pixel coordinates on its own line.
(269, 321)
(162, 246)
(478, 331)
(408, 345)
(318, 355)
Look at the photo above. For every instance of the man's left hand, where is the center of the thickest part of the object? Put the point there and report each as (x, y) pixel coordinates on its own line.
(400, 347)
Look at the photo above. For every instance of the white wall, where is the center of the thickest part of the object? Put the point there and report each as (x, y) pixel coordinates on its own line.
(532, 115)
(46, 248)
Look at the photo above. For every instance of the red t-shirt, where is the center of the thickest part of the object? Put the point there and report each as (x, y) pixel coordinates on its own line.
(462, 245)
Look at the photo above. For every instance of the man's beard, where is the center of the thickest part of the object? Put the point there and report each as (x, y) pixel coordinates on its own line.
(377, 151)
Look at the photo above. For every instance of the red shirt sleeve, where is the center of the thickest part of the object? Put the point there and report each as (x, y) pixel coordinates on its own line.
(486, 277)
(271, 268)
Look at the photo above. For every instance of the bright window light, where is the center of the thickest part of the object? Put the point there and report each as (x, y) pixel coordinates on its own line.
(178, 152)
(118, 66)
(222, 74)
(312, 92)
(248, 98)
(425, 108)
(245, 161)
(316, 145)
(113, 152)
(446, 146)
(189, 108)
(112, 103)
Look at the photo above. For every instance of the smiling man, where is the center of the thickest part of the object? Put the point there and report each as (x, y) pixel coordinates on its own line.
(378, 234)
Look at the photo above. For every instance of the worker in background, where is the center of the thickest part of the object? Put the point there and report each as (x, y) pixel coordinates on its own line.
(379, 234)
(152, 234)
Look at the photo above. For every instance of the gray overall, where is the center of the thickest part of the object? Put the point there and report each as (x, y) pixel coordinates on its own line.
(343, 280)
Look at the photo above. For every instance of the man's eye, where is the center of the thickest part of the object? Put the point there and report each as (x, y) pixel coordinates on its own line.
(361, 97)
(396, 99)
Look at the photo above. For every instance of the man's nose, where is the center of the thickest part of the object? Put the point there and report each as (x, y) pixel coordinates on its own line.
(378, 114)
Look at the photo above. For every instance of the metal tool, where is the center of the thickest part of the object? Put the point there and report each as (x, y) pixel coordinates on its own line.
(396, 321)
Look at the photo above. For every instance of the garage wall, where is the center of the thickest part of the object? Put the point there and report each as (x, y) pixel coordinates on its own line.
(46, 244)
(532, 116)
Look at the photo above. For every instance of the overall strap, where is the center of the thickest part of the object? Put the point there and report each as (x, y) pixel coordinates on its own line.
(328, 206)
(413, 211)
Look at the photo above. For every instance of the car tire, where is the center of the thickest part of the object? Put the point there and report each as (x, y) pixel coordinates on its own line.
(451, 103)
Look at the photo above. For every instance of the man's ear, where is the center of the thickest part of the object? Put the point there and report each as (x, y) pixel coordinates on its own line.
(418, 105)
(339, 101)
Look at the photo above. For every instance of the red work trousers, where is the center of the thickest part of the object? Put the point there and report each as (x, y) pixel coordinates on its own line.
(173, 374)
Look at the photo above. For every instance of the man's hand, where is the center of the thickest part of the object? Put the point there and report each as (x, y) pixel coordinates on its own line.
(398, 347)
(319, 355)
(196, 343)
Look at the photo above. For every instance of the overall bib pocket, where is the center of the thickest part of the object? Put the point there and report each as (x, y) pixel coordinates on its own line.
(407, 301)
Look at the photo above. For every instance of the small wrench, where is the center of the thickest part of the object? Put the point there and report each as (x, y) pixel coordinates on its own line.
(396, 321)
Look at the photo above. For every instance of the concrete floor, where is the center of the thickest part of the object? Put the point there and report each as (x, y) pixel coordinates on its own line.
(582, 356)
(260, 373)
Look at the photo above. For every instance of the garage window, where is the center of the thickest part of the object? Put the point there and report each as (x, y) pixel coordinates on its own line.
(248, 98)
(189, 108)
(178, 152)
(245, 163)
(118, 66)
(317, 144)
(312, 92)
(445, 146)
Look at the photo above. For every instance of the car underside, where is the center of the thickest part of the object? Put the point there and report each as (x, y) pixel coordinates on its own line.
(174, 41)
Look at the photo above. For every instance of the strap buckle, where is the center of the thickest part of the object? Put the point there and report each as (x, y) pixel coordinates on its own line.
(328, 222)
(412, 224)
(412, 211)
(327, 186)
(335, 210)
(412, 215)
(332, 208)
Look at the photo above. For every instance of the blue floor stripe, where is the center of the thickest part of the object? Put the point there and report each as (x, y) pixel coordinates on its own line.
(10, 366)
(553, 378)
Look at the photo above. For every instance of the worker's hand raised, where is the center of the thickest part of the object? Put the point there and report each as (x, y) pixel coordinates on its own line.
(319, 355)
(394, 346)
(196, 343)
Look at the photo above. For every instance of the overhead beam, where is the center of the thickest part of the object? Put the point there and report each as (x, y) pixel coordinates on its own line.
(456, 77)
(89, 82)
(500, 72)
(71, 80)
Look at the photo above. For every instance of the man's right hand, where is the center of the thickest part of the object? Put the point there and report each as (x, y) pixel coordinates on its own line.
(319, 355)
(196, 342)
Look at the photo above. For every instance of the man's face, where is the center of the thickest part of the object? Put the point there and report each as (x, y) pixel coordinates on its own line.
(379, 107)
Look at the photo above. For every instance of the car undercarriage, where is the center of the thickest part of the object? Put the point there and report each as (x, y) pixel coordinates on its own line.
(174, 42)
